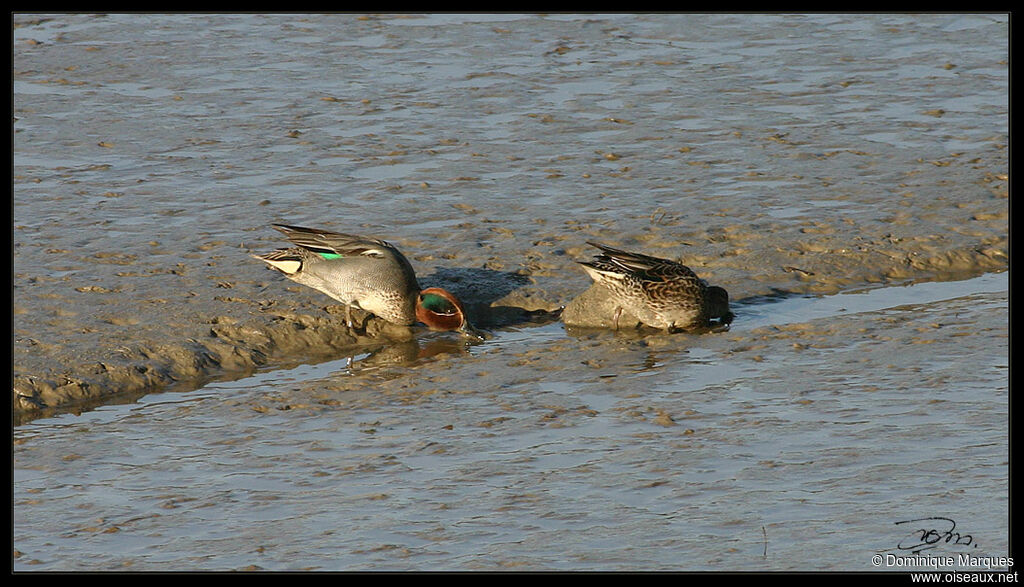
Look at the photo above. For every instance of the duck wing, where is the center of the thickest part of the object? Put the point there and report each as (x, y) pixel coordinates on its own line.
(337, 243)
(642, 266)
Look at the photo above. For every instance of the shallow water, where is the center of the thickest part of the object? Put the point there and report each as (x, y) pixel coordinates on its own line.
(596, 451)
(780, 154)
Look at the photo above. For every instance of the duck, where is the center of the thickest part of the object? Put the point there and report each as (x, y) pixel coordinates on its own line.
(661, 293)
(368, 274)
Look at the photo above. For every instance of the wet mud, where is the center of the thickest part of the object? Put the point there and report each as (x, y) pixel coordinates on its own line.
(273, 329)
(181, 407)
(815, 422)
(817, 172)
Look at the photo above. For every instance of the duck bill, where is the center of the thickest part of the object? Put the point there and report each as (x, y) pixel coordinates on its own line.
(470, 331)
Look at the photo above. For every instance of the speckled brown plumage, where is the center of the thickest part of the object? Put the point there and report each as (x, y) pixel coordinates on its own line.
(661, 293)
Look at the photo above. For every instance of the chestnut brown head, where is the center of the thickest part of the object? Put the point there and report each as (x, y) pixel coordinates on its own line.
(441, 310)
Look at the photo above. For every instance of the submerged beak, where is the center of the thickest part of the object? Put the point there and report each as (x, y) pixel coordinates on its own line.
(469, 331)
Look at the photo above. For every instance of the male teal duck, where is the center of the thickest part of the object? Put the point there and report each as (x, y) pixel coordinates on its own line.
(661, 293)
(368, 274)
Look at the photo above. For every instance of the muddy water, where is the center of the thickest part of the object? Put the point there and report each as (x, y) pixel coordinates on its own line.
(777, 155)
(810, 438)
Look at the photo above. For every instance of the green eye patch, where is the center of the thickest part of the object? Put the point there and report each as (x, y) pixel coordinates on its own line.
(437, 304)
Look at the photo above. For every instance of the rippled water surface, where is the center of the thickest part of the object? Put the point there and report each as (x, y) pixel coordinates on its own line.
(688, 453)
(152, 152)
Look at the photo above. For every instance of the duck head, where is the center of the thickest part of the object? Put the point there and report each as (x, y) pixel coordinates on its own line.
(718, 304)
(440, 310)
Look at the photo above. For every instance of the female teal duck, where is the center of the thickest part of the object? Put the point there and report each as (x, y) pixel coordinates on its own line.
(368, 274)
(660, 292)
